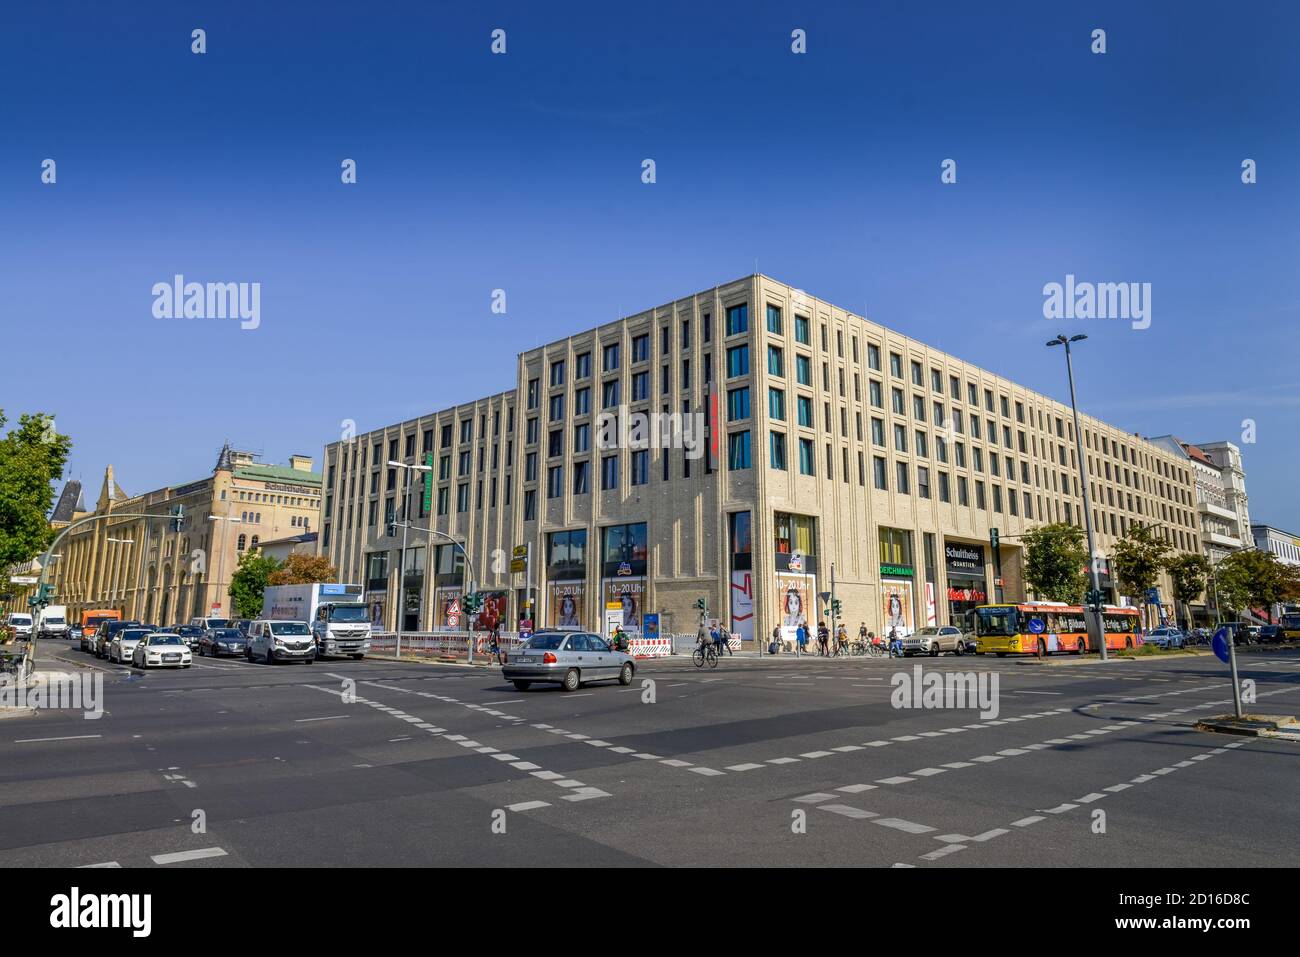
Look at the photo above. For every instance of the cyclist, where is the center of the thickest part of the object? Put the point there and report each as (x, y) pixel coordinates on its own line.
(823, 639)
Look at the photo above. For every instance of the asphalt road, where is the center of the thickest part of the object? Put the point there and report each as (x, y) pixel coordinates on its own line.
(759, 762)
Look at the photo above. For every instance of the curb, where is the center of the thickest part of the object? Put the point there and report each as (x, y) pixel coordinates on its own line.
(1281, 727)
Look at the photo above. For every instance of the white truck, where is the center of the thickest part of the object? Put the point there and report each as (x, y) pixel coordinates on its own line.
(54, 622)
(336, 614)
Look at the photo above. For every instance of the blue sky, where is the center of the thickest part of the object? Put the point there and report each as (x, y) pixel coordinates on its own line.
(522, 172)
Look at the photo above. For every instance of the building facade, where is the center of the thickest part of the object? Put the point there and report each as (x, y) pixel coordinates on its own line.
(1222, 506)
(149, 571)
(768, 448)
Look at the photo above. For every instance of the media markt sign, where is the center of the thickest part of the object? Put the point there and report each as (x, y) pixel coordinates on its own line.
(896, 571)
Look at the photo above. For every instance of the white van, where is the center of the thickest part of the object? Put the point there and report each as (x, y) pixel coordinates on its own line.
(54, 621)
(206, 623)
(20, 623)
(273, 641)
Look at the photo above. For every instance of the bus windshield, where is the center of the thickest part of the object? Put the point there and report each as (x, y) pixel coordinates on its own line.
(349, 613)
(996, 621)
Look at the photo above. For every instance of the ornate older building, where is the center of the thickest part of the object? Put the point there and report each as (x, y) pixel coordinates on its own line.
(148, 570)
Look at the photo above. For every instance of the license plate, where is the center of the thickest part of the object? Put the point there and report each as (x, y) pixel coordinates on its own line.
(522, 660)
(171, 657)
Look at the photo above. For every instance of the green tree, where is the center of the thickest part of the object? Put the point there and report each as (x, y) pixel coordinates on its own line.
(32, 457)
(1189, 574)
(1256, 579)
(249, 582)
(1056, 562)
(304, 570)
(1136, 560)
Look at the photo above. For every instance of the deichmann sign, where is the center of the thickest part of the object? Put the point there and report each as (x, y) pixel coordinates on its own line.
(897, 571)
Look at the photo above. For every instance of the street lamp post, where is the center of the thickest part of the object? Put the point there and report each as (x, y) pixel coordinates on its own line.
(1087, 498)
(113, 579)
(221, 555)
(401, 565)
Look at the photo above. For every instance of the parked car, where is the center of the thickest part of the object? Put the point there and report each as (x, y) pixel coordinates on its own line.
(122, 648)
(569, 659)
(222, 641)
(1270, 634)
(1167, 637)
(1240, 632)
(21, 623)
(933, 640)
(272, 641)
(105, 633)
(74, 632)
(161, 649)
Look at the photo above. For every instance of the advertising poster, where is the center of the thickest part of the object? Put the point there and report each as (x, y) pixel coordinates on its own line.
(931, 612)
(492, 612)
(794, 595)
(448, 609)
(630, 594)
(564, 604)
(376, 614)
(742, 605)
(897, 609)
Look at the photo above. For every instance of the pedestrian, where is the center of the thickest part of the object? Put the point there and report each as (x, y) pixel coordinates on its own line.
(716, 634)
(776, 640)
(895, 644)
(823, 639)
(801, 639)
(842, 640)
(862, 632)
(494, 640)
(724, 646)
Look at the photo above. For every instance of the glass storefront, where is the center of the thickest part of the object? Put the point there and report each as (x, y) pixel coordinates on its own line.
(967, 586)
(897, 575)
(741, 602)
(566, 579)
(623, 573)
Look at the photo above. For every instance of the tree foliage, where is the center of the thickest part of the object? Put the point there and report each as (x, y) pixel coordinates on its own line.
(1056, 561)
(1256, 579)
(1136, 560)
(304, 570)
(1189, 574)
(249, 582)
(32, 457)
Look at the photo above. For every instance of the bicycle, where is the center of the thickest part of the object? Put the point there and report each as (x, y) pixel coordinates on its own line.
(705, 653)
(858, 649)
(877, 649)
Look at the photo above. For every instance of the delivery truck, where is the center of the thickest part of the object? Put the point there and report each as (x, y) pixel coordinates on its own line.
(54, 621)
(335, 613)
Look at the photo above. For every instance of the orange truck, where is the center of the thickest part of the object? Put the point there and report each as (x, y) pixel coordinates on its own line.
(91, 620)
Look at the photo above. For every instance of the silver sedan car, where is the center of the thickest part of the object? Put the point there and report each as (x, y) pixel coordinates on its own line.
(569, 659)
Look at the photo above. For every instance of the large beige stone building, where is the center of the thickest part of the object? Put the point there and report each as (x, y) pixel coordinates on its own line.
(836, 447)
(149, 571)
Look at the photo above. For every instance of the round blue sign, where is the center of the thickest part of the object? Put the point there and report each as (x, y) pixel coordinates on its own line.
(1220, 644)
(1036, 626)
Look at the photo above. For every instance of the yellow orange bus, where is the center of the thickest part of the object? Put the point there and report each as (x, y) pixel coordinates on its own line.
(1289, 627)
(1045, 627)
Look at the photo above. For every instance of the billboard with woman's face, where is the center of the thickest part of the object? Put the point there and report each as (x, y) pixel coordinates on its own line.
(896, 607)
(794, 595)
(630, 593)
(564, 604)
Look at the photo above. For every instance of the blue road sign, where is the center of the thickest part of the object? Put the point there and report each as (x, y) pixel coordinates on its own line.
(1220, 644)
(1036, 626)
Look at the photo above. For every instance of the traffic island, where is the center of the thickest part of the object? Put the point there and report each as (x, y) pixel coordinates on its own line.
(1282, 726)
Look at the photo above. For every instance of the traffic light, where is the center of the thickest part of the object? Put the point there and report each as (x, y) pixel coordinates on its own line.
(392, 529)
(837, 608)
(178, 517)
(472, 603)
(993, 539)
(702, 604)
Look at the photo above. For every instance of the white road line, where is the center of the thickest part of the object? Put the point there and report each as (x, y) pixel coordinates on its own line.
(105, 864)
(510, 701)
(70, 737)
(527, 805)
(328, 717)
(180, 856)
